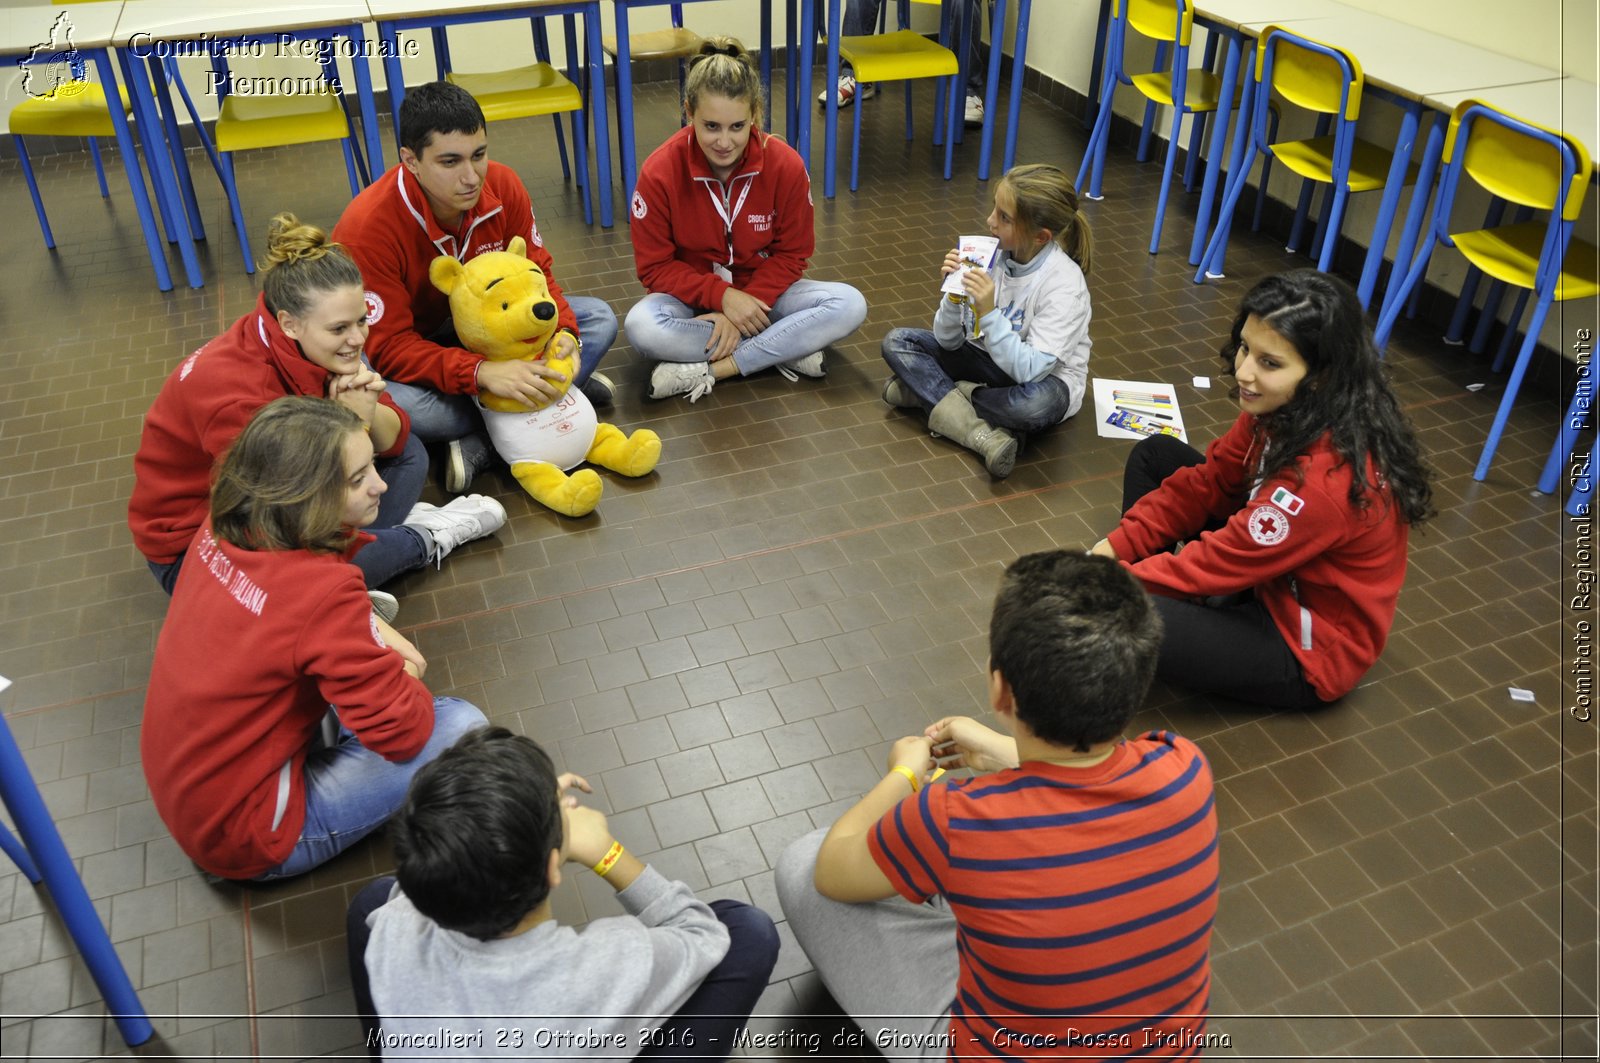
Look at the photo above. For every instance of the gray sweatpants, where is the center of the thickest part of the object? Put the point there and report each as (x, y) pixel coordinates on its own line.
(890, 964)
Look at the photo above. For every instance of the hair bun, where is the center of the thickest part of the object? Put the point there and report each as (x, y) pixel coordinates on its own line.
(291, 240)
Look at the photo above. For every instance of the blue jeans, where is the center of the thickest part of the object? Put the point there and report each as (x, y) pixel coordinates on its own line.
(931, 372)
(703, 1028)
(804, 319)
(397, 549)
(350, 791)
(441, 418)
(861, 20)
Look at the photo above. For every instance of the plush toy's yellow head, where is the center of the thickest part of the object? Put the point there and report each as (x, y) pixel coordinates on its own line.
(502, 309)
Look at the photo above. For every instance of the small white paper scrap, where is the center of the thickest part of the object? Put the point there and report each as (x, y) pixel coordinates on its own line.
(1202, 381)
(1474, 387)
(1518, 694)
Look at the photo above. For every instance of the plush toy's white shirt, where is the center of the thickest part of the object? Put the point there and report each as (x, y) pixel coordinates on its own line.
(559, 435)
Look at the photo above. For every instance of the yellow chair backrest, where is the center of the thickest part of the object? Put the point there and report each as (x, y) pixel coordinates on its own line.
(1309, 78)
(1515, 166)
(1162, 20)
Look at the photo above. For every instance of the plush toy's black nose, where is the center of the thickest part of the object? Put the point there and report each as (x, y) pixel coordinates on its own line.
(544, 311)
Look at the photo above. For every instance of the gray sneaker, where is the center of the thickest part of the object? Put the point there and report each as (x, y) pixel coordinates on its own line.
(458, 521)
(896, 394)
(694, 379)
(598, 389)
(466, 458)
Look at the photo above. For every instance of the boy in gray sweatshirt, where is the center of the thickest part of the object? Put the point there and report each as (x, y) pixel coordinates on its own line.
(464, 958)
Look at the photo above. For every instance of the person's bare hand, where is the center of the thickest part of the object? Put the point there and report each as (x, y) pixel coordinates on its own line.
(571, 781)
(962, 742)
(525, 382)
(979, 287)
(724, 337)
(747, 313)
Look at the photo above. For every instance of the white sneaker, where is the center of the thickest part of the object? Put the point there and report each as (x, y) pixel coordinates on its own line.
(809, 365)
(974, 112)
(848, 90)
(678, 378)
(458, 521)
(386, 605)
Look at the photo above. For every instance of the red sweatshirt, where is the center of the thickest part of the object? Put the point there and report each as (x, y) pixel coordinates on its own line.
(201, 410)
(758, 225)
(1328, 572)
(392, 234)
(256, 645)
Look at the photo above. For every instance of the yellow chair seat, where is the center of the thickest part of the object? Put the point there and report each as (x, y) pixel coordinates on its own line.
(673, 43)
(524, 92)
(1201, 93)
(76, 109)
(273, 121)
(1510, 253)
(1369, 164)
(898, 56)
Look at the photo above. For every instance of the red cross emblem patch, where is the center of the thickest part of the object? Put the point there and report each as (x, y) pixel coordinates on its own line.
(1268, 525)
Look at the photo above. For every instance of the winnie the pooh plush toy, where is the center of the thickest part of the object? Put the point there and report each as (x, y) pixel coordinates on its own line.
(502, 309)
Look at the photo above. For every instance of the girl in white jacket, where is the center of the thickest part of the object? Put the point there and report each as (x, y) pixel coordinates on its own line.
(1012, 355)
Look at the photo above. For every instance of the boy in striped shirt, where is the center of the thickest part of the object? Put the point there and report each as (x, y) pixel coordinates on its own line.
(1060, 902)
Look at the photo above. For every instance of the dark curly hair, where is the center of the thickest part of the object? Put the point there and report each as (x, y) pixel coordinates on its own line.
(1345, 392)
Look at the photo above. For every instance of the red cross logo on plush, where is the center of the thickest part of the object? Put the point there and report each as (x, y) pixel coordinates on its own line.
(1268, 525)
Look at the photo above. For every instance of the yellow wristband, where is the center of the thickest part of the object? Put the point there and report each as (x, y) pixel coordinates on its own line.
(608, 861)
(911, 776)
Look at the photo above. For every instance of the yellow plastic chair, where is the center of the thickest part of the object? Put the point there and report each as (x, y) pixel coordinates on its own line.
(1192, 91)
(1326, 81)
(903, 55)
(532, 91)
(76, 109)
(247, 122)
(1538, 169)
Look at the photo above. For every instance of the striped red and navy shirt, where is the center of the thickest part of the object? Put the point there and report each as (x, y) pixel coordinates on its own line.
(1083, 900)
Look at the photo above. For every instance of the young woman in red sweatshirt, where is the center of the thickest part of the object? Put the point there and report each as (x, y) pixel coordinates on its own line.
(268, 629)
(722, 232)
(1294, 524)
(305, 337)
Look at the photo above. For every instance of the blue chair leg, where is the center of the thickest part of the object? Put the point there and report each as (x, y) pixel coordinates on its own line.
(1406, 285)
(855, 148)
(350, 168)
(1510, 337)
(1487, 317)
(19, 856)
(1536, 322)
(1211, 260)
(1458, 319)
(232, 189)
(1266, 174)
(33, 190)
(43, 841)
(1166, 178)
(99, 167)
(1567, 438)
(1146, 129)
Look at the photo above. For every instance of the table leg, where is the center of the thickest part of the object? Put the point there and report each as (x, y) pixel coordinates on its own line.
(808, 55)
(1219, 141)
(43, 840)
(364, 99)
(1242, 133)
(991, 88)
(394, 81)
(625, 147)
(1019, 66)
(830, 133)
(130, 167)
(161, 173)
(1416, 217)
(597, 95)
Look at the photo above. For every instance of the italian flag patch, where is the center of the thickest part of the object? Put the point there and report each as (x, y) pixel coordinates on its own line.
(1288, 501)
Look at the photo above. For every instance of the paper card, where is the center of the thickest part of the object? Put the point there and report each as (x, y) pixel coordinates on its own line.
(980, 251)
(1202, 382)
(1133, 409)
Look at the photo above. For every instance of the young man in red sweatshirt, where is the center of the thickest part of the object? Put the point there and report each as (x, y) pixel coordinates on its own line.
(446, 198)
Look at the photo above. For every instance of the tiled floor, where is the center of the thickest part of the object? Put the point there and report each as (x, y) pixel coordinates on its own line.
(727, 647)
